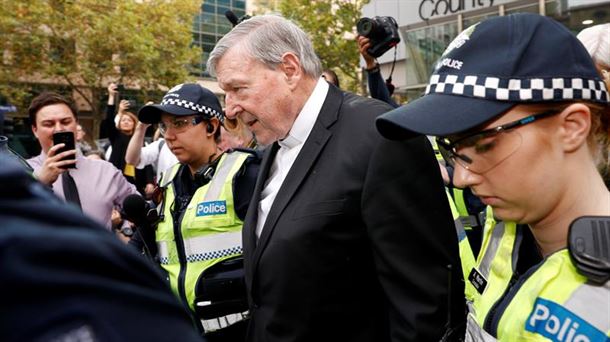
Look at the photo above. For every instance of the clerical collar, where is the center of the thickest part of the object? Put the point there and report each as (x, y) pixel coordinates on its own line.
(306, 119)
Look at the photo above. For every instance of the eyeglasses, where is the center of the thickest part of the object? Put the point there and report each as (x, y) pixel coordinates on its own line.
(481, 151)
(179, 125)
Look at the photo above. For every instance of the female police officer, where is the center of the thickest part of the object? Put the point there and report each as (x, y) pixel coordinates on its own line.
(517, 103)
(205, 198)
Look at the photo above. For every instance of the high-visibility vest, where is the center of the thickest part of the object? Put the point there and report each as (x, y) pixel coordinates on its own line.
(552, 301)
(469, 221)
(209, 230)
(466, 254)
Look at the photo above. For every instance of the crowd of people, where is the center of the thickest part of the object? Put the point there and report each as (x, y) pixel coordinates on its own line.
(301, 212)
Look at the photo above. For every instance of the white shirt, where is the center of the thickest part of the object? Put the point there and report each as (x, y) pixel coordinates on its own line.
(161, 160)
(289, 150)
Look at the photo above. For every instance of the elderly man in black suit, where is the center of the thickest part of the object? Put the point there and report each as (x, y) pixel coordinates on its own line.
(348, 236)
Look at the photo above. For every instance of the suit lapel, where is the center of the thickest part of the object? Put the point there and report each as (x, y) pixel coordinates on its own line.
(300, 168)
(249, 229)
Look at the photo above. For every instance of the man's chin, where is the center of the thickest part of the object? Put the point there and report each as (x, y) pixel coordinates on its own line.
(264, 139)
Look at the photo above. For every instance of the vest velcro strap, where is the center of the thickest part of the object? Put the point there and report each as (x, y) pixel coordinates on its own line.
(469, 221)
(213, 246)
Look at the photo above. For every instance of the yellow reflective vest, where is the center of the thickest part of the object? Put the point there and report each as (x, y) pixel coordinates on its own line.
(209, 230)
(550, 302)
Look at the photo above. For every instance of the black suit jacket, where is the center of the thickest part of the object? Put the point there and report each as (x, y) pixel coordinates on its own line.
(357, 242)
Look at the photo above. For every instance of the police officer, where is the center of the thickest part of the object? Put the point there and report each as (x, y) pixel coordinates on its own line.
(524, 119)
(204, 200)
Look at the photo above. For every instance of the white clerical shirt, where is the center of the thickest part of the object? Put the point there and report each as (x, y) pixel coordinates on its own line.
(289, 150)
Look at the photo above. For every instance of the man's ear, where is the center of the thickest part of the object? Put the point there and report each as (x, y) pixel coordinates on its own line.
(291, 67)
(575, 126)
(35, 131)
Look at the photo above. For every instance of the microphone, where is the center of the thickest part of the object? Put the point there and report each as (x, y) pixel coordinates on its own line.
(232, 17)
(138, 211)
(144, 215)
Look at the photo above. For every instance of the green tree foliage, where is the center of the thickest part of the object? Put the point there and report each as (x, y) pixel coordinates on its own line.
(331, 24)
(82, 45)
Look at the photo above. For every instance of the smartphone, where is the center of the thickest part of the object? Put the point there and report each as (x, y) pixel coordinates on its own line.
(132, 104)
(66, 138)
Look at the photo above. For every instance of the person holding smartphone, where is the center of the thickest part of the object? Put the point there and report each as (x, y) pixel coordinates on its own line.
(95, 186)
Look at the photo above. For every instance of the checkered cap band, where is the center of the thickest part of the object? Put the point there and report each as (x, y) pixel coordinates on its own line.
(519, 90)
(214, 254)
(194, 106)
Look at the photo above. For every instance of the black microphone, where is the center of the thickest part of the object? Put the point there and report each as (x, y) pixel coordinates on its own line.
(232, 17)
(138, 211)
(144, 215)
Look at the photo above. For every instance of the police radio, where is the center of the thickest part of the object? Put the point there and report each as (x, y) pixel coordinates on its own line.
(589, 247)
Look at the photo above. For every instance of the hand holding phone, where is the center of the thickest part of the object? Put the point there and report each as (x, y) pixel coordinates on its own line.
(66, 138)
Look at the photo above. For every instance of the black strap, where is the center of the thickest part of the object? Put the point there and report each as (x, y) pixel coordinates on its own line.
(70, 190)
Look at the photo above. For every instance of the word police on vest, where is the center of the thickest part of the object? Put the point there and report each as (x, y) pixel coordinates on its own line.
(211, 208)
(557, 323)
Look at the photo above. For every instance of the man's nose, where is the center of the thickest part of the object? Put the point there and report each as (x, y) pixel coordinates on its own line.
(59, 127)
(232, 109)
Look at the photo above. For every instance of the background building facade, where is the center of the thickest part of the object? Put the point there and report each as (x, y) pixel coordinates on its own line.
(428, 26)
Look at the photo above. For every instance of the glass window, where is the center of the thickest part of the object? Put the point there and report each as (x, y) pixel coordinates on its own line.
(208, 17)
(208, 7)
(424, 48)
(552, 8)
(208, 47)
(220, 10)
(208, 27)
(577, 19)
(469, 21)
(223, 29)
(208, 38)
(529, 8)
(239, 12)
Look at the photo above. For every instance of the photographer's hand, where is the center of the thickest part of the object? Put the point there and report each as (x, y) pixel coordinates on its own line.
(112, 93)
(134, 148)
(363, 44)
(123, 106)
(52, 166)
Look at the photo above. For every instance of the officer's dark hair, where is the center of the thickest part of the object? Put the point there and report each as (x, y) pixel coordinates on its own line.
(48, 98)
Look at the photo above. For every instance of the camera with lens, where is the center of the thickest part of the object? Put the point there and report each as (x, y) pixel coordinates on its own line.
(382, 31)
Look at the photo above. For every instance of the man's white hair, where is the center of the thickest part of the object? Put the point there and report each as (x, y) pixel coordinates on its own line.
(596, 40)
(267, 38)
